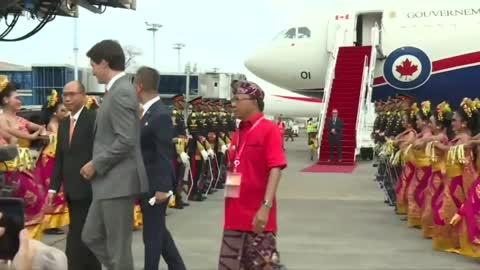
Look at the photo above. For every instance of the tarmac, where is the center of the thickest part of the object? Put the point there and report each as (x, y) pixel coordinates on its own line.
(326, 222)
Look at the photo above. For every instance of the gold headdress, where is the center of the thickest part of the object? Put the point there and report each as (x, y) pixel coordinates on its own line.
(476, 103)
(3, 83)
(468, 107)
(414, 110)
(426, 108)
(442, 110)
(53, 99)
(91, 102)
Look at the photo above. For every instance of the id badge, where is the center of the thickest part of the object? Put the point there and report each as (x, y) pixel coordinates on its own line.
(232, 185)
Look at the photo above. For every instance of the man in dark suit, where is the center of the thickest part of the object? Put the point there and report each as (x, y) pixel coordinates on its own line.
(74, 149)
(156, 145)
(335, 130)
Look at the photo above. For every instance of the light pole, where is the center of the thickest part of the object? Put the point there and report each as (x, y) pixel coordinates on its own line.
(187, 86)
(75, 48)
(154, 28)
(179, 47)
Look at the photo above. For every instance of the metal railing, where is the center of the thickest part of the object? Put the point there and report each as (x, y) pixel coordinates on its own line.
(330, 76)
(361, 103)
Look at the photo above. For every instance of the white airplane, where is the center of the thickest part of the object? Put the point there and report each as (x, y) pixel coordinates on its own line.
(429, 51)
(288, 104)
(359, 55)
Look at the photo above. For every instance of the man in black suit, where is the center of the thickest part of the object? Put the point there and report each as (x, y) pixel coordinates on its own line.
(157, 151)
(74, 149)
(335, 130)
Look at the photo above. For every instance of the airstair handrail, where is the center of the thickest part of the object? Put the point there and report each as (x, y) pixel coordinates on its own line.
(375, 35)
(359, 126)
(330, 76)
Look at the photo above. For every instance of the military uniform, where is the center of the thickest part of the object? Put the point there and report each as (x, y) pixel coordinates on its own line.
(196, 150)
(180, 143)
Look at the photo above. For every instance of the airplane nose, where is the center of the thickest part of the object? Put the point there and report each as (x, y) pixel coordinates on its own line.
(251, 62)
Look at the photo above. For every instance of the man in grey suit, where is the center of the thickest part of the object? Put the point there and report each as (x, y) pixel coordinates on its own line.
(117, 172)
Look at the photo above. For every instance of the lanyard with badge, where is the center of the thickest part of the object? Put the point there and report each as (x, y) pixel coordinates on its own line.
(234, 178)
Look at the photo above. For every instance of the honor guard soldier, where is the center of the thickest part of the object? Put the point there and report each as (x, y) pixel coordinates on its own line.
(180, 140)
(206, 180)
(231, 120)
(196, 151)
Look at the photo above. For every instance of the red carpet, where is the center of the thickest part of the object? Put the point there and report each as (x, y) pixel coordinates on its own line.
(323, 168)
(345, 97)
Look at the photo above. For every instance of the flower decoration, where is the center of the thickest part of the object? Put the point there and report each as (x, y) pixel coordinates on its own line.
(53, 99)
(3, 83)
(468, 107)
(414, 110)
(442, 110)
(426, 107)
(91, 102)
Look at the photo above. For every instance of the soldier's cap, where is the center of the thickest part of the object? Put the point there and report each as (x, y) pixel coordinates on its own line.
(196, 101)
(404, 97)
(178, 98)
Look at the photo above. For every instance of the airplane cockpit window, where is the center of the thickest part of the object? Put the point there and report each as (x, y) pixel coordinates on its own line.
(291, 33)
(303, 32)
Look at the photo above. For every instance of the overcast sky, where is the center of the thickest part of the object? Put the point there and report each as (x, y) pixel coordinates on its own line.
(217, 33)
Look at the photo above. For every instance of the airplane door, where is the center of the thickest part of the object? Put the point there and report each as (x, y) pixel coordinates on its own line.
(365, 23)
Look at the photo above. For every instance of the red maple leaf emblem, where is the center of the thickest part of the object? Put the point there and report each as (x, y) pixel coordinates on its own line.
(406, 69)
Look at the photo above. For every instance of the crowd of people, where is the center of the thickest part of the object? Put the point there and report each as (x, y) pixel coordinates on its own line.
(428, 167)
(99, 158)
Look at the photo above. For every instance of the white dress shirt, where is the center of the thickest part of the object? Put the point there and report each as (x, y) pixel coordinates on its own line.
(149, 104)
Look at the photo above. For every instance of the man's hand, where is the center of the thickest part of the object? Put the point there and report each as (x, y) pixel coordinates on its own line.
(260, 220)
(88, 171)
(24, 257)
(161, 197)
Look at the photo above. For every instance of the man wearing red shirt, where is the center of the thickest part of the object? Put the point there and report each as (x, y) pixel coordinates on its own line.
(256, 160)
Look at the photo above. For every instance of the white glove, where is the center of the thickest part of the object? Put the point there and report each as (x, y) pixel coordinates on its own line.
(211, 153)
(185, 158)
(204, 154)
(224, 149)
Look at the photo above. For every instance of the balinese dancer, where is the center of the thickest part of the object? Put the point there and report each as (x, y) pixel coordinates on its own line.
(56, 215)
(467, 219)
(460, 174)
(440, 125)
(423, 168)
(19, 172)
(195, 148)
(404, 141)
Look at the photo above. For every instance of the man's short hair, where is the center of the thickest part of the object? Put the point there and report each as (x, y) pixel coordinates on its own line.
(148, 77)
(110, 51)
(81, 87)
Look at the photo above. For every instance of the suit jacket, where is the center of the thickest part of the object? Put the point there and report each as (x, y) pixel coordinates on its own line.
(116, 150)
(156, 141)
(70, 158)
(338, 126)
